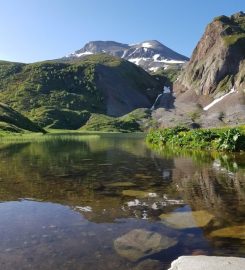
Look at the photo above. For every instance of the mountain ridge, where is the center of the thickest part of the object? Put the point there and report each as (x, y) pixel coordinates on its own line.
(150, 55)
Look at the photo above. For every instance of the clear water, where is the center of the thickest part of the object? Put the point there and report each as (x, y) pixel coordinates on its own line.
(62, 206)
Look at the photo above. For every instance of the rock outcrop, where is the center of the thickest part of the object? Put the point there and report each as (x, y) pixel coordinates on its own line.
(210, 90)
(217, 63)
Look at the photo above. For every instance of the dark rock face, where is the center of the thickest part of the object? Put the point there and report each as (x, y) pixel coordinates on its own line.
(150, 55)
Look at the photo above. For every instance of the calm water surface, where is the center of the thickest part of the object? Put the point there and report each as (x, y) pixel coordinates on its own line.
(65, 199)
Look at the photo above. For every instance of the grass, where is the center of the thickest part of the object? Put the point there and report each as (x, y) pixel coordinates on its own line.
(100, 122)
(222, 139)
(53, 118)
(15, 137)
(167, 76)
(134, 121)
(12, 121)
(233, 39)
(234, 28)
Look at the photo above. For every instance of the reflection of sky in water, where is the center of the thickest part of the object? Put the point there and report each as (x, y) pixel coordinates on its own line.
(85, 193)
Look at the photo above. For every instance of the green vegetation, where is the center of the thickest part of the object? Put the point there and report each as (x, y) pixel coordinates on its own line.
(194, 115)
(12, 121)
(132, 122)
(63, 94)
(60, 85)
(226, 139)
(225, 84)
(234, 32)
(53, 118)
(167, 76)
(234, 39)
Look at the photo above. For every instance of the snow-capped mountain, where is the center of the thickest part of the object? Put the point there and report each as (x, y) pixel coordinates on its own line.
(150, 55)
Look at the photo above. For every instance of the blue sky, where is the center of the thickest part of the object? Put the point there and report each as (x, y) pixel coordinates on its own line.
(34, 30)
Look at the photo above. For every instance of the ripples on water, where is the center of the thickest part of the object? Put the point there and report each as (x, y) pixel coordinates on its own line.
(65, 199)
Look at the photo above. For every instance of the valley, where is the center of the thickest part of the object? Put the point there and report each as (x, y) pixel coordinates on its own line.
(99, 84)
(118, 155)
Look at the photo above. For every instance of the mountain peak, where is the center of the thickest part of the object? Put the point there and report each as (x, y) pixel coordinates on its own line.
(150, 54)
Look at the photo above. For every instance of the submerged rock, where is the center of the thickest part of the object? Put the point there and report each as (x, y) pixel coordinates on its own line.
(230, 232)
(207, 263)
(140, 243)
(138, 193)
(121, 184)
(185, 220)
(149, 265)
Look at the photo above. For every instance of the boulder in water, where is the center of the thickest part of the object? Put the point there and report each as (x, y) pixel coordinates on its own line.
(140, 243)
(186, 220)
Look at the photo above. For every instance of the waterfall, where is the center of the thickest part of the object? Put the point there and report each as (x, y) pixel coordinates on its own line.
(166, 90)
(153, 106)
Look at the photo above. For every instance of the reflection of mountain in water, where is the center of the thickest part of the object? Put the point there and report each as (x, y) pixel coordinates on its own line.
(79, 173)
(212, 188)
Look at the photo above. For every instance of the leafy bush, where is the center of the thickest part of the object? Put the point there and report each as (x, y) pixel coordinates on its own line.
(229, 140)
(232, 139)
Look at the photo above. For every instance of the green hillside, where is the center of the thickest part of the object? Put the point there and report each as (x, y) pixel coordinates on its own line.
(63, 94)
(12, 121)
(135, 121)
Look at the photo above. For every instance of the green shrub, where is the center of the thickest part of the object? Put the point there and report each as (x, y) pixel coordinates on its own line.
(232, 139)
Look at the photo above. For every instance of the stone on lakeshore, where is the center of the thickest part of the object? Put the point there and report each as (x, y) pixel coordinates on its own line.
(208, 263)
(140, 243)
(186, 220)
(230, 232)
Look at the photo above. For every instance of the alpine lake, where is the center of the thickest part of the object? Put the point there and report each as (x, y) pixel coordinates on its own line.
(107, 201)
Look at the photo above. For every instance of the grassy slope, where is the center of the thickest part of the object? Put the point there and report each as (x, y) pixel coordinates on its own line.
(63, 94)
(135, 121)
(12, 121)
(234, 32)
(167, 76)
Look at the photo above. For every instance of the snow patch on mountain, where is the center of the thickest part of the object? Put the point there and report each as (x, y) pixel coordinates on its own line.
(154, 69)
(147, 54)
(137, 60)
(146, 45)
(169, 61)
(80, 54)
(156, 56)
(219, 99)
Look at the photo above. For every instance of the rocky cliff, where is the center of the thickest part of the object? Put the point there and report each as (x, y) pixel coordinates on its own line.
(217, 63)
